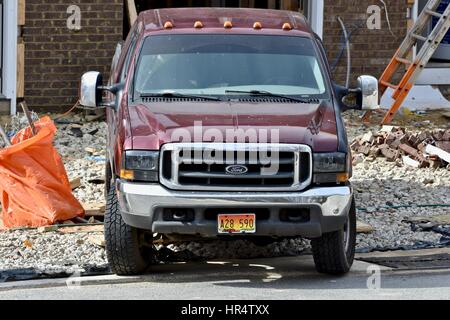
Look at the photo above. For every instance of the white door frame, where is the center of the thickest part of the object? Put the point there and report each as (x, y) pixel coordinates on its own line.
(316, 16)
(10, 52)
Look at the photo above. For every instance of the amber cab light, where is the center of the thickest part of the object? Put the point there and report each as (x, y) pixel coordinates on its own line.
(228, 25)
(287, 26)
(168, 25)
(198, 25)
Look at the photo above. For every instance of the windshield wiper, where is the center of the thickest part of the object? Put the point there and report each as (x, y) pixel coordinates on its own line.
(267, 94)
(177, 95)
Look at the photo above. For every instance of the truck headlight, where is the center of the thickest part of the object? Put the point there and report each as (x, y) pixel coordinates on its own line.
(330, 168)
(140, 166)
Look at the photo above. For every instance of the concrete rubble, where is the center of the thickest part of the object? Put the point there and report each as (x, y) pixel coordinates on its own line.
(419, 149)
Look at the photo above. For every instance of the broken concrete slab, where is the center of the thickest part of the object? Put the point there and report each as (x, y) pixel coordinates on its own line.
(438, 152)
(410, 162)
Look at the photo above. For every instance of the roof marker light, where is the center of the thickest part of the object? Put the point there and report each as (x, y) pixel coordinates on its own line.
(198, 25)
(228, 25)
(257, 26)
(287, 26)
(168, 25)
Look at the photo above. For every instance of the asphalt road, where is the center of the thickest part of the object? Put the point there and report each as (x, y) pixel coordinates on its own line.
(281, 278)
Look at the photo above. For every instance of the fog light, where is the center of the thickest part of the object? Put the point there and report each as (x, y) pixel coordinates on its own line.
(295, 215)
(179, 214)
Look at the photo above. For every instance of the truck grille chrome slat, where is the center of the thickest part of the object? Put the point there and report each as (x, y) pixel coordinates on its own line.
(225, 176)
(234, 166)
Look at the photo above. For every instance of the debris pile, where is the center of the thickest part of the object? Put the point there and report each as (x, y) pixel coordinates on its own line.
(424, 149)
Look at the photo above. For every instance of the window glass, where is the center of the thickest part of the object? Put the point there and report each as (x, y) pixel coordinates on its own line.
(212, 64)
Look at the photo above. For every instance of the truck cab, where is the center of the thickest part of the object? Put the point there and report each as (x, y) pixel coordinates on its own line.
(225, 123)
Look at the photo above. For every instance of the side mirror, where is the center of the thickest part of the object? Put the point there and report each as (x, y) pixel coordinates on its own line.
(365, 97)
(90, 93)
(368, 86)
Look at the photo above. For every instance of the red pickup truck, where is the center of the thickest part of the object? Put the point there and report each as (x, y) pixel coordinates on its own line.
(226, 123)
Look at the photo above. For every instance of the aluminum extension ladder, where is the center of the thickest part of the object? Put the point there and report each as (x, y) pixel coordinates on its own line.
(415, 67)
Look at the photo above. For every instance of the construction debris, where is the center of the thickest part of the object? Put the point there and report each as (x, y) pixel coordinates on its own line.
(51, 228)
(444, 155)
(75, 183)
(435, 220)
(29, 117)
(94, 209)
(4, 136)
(362, 227)
(82, 229)
(97, 239)
(420, 150)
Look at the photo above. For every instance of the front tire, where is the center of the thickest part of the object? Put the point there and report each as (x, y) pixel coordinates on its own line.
(334, 252)
(126, 248)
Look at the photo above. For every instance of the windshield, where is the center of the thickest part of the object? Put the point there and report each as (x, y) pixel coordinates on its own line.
(216, 63)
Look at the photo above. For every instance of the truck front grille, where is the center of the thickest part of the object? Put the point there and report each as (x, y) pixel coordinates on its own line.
(233, 167)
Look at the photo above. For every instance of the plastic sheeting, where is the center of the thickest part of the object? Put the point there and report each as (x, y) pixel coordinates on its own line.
(34, 187)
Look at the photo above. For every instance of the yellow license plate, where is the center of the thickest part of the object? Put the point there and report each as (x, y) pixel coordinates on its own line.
(236, 223)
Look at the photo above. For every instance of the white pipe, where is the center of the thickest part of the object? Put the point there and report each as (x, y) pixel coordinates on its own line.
(349, 59)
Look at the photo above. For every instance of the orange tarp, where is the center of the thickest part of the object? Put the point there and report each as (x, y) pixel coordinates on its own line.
(34, 187)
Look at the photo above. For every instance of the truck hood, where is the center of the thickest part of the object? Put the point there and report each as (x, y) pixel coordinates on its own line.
(154, 124)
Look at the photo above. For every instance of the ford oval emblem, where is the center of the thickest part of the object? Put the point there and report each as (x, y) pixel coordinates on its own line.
(236, 170)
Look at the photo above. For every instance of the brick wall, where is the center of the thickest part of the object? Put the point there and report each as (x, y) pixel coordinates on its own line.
(371, 50)
(56, 57)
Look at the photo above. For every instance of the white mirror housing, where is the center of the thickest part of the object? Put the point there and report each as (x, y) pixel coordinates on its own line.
(90, 94)
(369, 91)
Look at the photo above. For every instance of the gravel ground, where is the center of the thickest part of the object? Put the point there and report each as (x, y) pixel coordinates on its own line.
(377, 184)
(27, 254)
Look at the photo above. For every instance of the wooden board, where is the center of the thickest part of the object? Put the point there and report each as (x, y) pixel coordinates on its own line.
(2, 227)
(131, 11)
(81, 229)
(94, 209)
(21, 13)
(20, 69)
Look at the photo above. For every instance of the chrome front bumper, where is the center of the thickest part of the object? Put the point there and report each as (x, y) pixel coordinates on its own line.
(142, 206)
